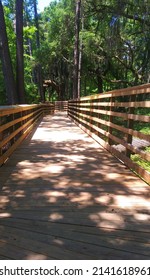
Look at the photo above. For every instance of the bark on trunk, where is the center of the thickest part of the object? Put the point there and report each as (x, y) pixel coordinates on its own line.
(100, 84)
(39, 68)
(80, 54)
(6, 62)
(19, 52)
(76, 50)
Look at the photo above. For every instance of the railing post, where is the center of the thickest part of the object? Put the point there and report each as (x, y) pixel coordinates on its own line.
(91, 115)
(1, 136)
(77, 111)
(130, 124)
(110, 129)
(13, 129)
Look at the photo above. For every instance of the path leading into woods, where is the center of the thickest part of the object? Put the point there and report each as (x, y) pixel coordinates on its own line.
(64, 197)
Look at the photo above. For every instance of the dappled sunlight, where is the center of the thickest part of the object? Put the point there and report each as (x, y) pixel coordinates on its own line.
(4, 200)
(53, 169)
(56, 216)
(81, 197)
(54, 193)
(76, 158)
(55, 136)
(111, 220)
(5, 215)
(103, 199)
(52, 200)
(19, 193)
(113, 176)
(67, 198)
(34, 256)
(131, 201)
(58, 242)
(141, 217)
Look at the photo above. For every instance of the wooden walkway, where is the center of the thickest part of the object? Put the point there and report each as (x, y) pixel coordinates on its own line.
(64, 197)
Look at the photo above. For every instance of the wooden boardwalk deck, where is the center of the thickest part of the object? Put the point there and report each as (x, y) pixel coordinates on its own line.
(63, 197)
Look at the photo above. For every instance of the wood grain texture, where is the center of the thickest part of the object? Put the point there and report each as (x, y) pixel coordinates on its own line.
(62, 196)
(113, 120)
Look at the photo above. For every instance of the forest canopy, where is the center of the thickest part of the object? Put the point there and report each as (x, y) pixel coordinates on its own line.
(72, 48)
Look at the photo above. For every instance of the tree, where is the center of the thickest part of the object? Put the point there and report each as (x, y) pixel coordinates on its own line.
(76, 51)
(56, 51)
(113, 42)
(19, 52)
(6, 61)
(124, 27)
(38, 66)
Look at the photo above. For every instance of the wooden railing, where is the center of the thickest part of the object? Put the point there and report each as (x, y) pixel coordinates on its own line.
(113, 119)
(61, 105)
(16, 122)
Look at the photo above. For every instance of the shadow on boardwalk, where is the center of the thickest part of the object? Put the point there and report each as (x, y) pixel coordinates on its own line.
(67, 198)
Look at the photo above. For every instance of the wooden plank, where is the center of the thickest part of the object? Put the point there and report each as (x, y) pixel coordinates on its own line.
(18, 120)
(80, 244)
(47, 247)
(118, 127)
(79, 209)
(140, 171)
(18, 253)
(8, 110)
(130, 125)
(125, 116)
(121, 92)
(2, 257)
(134, 166)
(5, 156)
(24, 126)
(98, 220)
(83, 241)
(140, 104)
(110, 129)
(73, 211)
(114, 220)
(46, 227)
(130, 147)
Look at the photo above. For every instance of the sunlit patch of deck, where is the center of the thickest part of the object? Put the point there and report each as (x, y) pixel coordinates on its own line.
(64, 197)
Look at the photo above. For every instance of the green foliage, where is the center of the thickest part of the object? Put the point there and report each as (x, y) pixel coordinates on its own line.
(2, 88)
(115, 41)
(32, 93)
(143, 163)
(29, 31)
(147, 149)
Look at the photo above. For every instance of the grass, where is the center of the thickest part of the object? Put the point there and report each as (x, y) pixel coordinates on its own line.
(145, 130)
(143, 163)
(147, 149)
(142, 127)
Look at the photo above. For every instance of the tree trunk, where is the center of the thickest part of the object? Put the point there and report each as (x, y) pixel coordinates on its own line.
(39, 68)
(40, 82)
(100, 84)
(76, 50)
(6, 61)
(26, 24)
(80, 54)
(19, 52)
(36, 24)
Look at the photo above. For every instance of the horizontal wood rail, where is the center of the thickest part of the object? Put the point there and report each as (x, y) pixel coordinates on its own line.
(61, 105)
(113, 119)
(16, 122)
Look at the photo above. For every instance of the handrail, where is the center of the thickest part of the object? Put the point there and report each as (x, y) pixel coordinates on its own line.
(61, 105)
(16, 122)
(112, 119)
